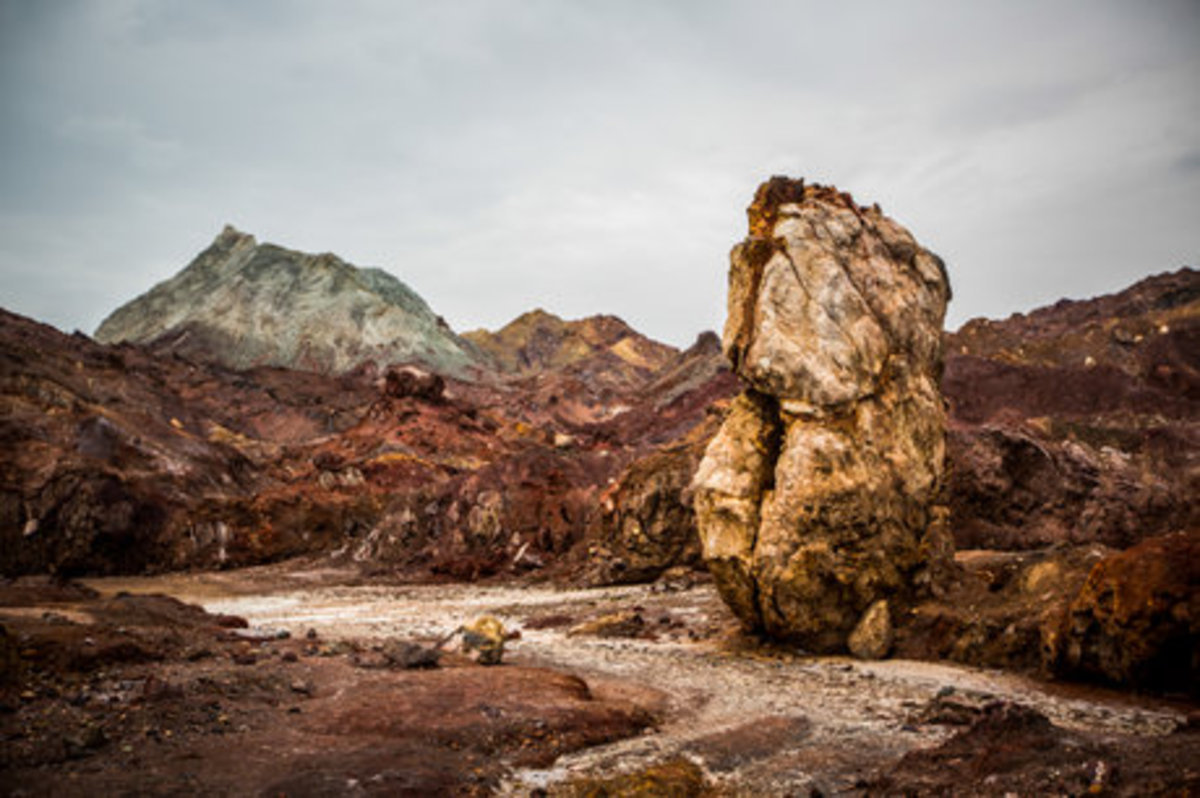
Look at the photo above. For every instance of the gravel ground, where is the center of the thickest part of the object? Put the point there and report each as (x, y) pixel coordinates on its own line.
(832, 721)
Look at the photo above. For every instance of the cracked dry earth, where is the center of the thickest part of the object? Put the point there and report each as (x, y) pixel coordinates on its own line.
(739, 719)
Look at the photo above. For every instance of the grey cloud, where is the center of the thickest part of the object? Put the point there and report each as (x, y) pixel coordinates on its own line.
(585, 157)
(1188, 162)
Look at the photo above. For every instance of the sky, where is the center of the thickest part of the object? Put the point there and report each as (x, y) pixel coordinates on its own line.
(588, 156)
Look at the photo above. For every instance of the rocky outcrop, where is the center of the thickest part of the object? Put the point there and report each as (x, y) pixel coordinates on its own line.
(814, 499)
(245, 304)
(1012, 749)
(645, 525)
(113, 460)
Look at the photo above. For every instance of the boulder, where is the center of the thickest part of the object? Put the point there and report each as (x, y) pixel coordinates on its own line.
(814, 499)
(1136, 621)
(404, 381)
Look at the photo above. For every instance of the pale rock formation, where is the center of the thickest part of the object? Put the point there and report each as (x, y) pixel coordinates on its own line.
(814, 499)
(244, 304)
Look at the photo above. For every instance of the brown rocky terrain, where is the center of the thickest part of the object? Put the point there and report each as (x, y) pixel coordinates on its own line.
(1071, 466)
(296, 682)
(123, 459)
(1078, 422)
(108, 694)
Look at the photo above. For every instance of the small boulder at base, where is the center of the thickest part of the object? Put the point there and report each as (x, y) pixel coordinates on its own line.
(872, 638)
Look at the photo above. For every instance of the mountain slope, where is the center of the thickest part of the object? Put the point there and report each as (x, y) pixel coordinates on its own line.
(1079, 421)
(245, 304)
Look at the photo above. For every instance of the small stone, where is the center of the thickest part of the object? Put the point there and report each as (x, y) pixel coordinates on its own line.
(629, 623)
(302, 687)
(872, 638)
(406, 654)
(255, 635)
(289, 656)
(484, 640)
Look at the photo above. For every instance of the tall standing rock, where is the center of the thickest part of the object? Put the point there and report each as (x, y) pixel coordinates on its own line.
(814, 501)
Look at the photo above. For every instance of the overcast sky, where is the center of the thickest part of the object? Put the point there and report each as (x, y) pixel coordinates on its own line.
(590, 157)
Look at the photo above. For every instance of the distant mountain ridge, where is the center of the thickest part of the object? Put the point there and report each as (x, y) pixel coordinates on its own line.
(539, 341)
(246, 304)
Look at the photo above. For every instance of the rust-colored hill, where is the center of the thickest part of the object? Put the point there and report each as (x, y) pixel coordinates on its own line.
(1080, 421)
(122, 459)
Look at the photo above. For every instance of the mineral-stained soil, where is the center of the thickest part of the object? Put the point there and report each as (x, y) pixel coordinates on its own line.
(114, 688)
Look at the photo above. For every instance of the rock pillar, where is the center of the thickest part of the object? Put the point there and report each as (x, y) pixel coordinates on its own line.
(814, 501)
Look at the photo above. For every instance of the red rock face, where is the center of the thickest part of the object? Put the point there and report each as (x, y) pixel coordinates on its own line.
(1079, 422)
(124, 460)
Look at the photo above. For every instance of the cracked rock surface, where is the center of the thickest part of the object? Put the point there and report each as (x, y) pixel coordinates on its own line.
(815, 499)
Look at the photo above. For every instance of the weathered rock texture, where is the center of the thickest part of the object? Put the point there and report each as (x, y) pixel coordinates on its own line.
(814, 499)
(124, 459)
(245, 304)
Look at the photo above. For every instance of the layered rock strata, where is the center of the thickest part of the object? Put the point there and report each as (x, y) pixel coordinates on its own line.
(814, 500)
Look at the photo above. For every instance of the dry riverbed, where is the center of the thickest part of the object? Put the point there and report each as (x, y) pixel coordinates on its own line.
(718, 713)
